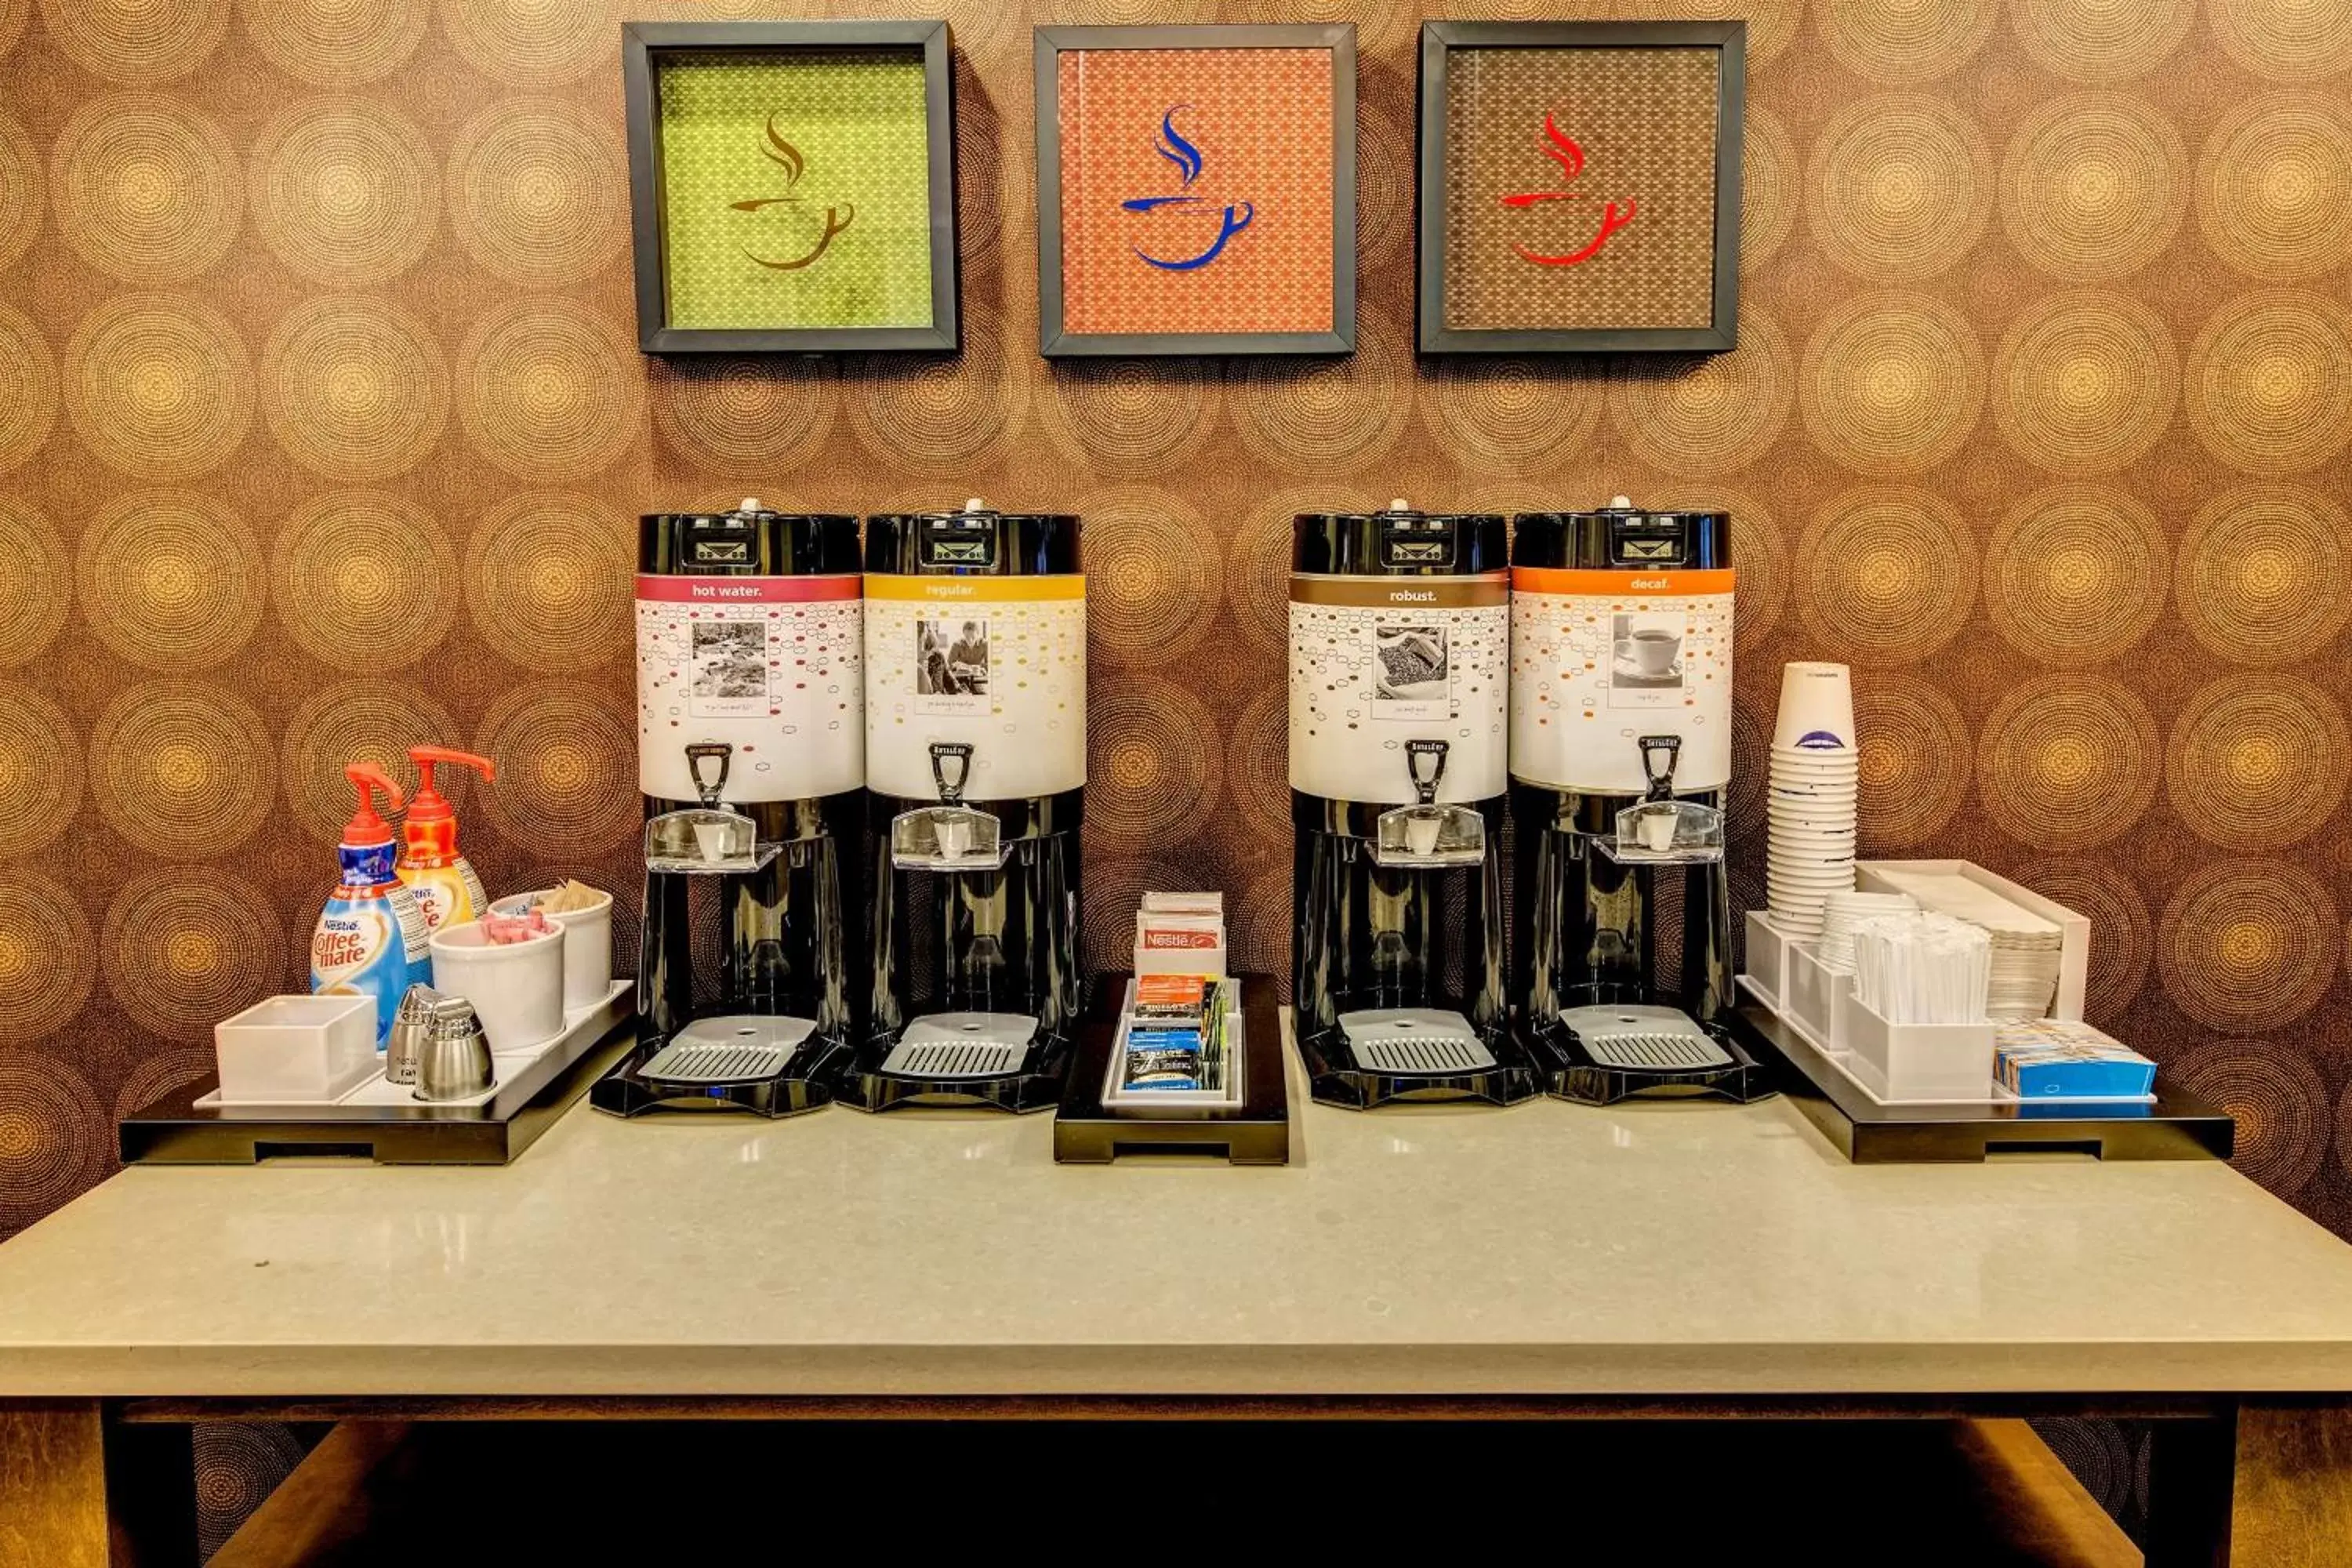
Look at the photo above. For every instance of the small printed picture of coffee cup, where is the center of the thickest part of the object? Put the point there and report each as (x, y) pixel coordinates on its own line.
(1649, 650)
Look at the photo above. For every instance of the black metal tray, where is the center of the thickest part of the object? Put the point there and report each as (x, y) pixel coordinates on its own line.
(175, 1131)
(2177, 1126)
(1255, 1132)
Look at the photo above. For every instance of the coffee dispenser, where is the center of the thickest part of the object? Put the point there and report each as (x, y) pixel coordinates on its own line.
(750, 754)
(976, 767)
(1620, 754)
(1399, 641)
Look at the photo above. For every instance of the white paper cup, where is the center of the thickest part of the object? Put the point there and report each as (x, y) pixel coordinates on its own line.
(587, 945)
(516, 987)
(1816, 707)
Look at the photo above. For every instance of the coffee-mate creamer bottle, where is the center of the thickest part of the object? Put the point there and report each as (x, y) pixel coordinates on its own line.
(447, 888)
(371, 937)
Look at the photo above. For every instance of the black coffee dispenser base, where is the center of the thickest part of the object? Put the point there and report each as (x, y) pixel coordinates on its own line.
(1570, 1073)
(806, 1083)
(1334, 1076)
(863, 1085)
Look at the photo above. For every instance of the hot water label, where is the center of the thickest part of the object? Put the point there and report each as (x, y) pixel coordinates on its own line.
(995, 663)
(1378, 661)
(773, 666)
(1599, 659)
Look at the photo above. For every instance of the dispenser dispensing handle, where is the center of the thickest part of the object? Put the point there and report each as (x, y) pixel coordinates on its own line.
(700, 751)
(1425, 786)
(1659, 755)
(943, 753)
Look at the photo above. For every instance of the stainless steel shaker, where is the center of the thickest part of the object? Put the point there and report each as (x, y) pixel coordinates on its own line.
(455, 1059)
(411, 1022)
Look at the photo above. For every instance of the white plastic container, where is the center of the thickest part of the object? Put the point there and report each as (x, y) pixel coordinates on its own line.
(1815, 990)
(1768, 960)
(2074, 929)
(297, 1050)
(516, 987)
(587, 946)
(1900, 1062)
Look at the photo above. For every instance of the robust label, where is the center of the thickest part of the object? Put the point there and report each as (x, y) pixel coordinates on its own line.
(995, 663)
(771, 665)
(1376, 662)
(1599, 659)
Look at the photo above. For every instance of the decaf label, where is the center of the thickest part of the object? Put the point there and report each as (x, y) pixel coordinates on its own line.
(1599, 659)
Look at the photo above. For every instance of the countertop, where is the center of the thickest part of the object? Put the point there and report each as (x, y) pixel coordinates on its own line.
(1547, 1249)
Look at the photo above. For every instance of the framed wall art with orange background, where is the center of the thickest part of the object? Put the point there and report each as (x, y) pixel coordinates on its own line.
(1196, 189)
(791, 184)
(1579, 186)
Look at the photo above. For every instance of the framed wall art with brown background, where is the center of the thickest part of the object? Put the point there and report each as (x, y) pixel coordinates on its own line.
(791, 184)
(1579, 186)
(1196, 189)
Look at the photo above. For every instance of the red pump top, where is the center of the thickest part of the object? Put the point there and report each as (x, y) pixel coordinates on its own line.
(431, 830)
(367, 828)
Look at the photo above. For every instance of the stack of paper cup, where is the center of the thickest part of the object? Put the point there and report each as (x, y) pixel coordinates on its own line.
(1816, 781)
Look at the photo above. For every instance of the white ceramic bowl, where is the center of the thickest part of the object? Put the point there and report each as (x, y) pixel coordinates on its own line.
(587, 945)
(516, 987)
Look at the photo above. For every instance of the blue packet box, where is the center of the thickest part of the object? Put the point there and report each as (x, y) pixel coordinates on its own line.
(2050, 1060)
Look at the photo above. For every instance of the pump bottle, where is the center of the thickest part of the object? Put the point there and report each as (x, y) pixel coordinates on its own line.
(371, 936)
(447, 889)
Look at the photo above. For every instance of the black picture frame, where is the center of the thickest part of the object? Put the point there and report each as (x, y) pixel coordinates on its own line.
(1438, 41)
(1053, 341)
(642, 42)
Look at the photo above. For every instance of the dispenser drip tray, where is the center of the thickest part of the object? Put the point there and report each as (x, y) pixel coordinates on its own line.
(1645, 1039)
(741, 1047)
(959, 1045)
(1414, 1041)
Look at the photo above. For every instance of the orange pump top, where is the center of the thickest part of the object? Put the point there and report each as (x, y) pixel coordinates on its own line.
(366, 827)
(431, 829)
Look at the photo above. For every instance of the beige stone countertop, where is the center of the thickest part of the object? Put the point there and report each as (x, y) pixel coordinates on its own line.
(1648, 1249)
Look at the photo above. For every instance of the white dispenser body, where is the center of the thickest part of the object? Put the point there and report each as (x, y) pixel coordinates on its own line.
(996, 663)
(1600, 658)
(1378, 661)
(773, 667)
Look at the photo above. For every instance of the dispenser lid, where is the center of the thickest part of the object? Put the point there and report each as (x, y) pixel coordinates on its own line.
(1398, 542)
(1623, 537)
(973, 540)
(428, 805)
(1622, 508)
(754, 540)
(368, 828)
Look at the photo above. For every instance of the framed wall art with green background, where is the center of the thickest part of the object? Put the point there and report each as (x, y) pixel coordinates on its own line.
(791, 186)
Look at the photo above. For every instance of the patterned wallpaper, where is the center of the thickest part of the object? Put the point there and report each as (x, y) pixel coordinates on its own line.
(321, 431)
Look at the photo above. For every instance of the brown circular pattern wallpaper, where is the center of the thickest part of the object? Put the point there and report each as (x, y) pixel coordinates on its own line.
(40, 769)
(345, 191)
(1900, 186)
(1892, 384)
(2101, 40)
(146, 188)
(2068, 762)
(2270, 381)
(172, 580)
(350, 721)
(2076, 574)
(336, 43)
(2274, 185)
(538, 191)
(2258, 761)
(322, 428)
(365, 580)
(159, 387)
(181, 768)
(1885, 573)
(2260, 574)
(2084, 383)
(2093, 185)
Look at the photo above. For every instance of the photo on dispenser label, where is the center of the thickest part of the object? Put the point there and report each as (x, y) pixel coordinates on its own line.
(1647, 665)
(1413, 677)
(731, 668)
(951, 666)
